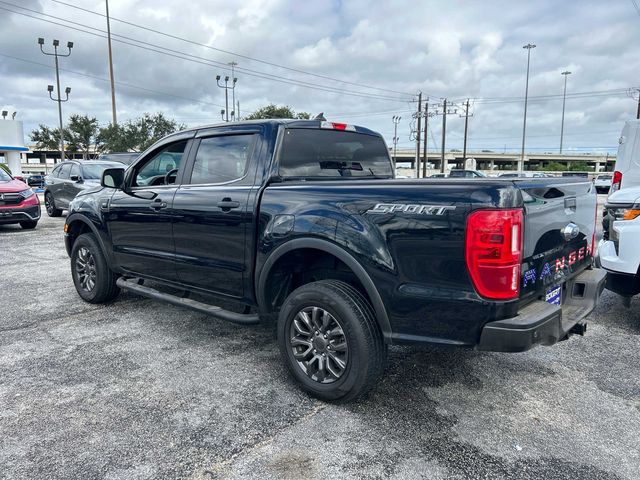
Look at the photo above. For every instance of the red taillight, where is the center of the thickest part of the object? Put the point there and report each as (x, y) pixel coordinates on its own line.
(493, 248)
(337, 126)
(616, 183)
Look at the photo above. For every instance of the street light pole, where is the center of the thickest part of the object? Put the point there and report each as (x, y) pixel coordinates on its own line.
(226, 92)
(528, 47)
(566, 73)
(234, 114)
(396, 120)
(67, 90)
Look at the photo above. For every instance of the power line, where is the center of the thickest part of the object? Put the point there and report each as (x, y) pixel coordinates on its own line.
(192, 58)
(129, 85)
(175, 37)
(244, 70)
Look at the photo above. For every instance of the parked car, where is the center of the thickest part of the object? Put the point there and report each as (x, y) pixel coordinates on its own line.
(525, 175)
(627, 168)
(459, 173)
(68, 179)
(18, 203)
(603, 182)
(302, 223)
(438, 175)
(36, 181)
(618, 251)
(123, 157)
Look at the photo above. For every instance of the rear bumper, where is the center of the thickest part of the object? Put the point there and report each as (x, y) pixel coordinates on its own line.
(541, 323)
(20, 213)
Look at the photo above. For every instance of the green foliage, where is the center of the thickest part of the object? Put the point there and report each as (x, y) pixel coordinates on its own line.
(579, 167)
(81, 134)
(46, 138)
(275, 111)
(553, 167)
(136, 135)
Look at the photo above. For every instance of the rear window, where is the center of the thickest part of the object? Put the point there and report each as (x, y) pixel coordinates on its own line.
(334, 154)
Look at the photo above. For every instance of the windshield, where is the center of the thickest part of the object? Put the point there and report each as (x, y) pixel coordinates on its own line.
(94, 171)
(4, 176)
(333, 153)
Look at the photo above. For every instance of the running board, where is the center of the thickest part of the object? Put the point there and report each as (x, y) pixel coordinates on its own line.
(218, 312)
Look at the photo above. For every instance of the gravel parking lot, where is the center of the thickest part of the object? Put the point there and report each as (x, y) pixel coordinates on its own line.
(138, 389)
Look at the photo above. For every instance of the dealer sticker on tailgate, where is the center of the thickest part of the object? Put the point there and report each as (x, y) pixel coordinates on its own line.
(554, 296)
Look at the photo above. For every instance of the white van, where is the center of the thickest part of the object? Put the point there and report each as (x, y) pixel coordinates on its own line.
(627, 169)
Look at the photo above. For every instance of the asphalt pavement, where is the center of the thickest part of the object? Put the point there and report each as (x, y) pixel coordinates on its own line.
(142, 390)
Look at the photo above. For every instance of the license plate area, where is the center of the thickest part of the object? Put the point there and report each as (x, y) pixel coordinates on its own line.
(554, 295)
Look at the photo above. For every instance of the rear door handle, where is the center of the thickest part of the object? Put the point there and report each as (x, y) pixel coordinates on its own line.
(227, 204)
(157, 204)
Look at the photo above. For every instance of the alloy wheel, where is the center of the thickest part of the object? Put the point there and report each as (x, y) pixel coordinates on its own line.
(319, 345)
(86, 269)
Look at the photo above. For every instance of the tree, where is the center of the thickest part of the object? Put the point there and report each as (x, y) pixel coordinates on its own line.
(46, 138)
(136, 135)
(553, 167)
(275, 111)
(580, 167)
(81, 134)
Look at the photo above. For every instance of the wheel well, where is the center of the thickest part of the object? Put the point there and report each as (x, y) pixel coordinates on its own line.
(75, 229)
(302, 266)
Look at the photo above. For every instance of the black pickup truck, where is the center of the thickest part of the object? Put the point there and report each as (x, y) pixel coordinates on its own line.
(301, 222)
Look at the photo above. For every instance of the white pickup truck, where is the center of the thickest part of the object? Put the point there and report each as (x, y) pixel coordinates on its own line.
(619, 252)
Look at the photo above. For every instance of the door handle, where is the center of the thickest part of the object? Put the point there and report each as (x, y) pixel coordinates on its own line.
(227, 204)
(157, 204)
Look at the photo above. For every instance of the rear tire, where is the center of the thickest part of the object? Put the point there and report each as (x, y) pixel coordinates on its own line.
(92, 277)
(330, 340)
(50, 205)
(28, 225)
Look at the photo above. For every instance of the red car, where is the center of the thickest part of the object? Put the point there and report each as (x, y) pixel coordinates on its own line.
(18, 203)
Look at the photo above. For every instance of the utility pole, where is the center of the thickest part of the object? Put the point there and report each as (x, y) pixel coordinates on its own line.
(566, 73)
(396, 120)
(67, 90)
(419, 115)
(426, 139)
(238, 111)
(528, 47)
(114, 119)
(445, 111)
(226, 92)
(444, 133)
(466, 130)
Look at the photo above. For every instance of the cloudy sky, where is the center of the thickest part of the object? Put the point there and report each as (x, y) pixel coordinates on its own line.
(359, 61)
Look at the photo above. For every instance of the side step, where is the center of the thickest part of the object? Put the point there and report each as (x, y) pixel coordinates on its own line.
(240, 318)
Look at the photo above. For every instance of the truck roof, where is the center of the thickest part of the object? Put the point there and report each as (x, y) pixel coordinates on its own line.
(289, 122)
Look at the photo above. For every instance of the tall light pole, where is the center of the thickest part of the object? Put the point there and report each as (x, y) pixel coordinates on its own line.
(566, 73)
(396, 120)
(226, 92)
(233, 91)
(114, 120)
(55, 54)
(528, 47)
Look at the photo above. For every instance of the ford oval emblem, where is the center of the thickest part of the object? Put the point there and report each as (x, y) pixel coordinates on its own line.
(570, 232)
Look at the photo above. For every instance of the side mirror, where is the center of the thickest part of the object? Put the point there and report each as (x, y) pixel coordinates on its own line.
(113, 178)
(75, 178)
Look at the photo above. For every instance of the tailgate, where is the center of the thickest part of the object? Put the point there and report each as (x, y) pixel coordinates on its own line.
(558, 234)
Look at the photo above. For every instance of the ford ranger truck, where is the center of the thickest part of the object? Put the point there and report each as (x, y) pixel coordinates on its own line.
(301, 223)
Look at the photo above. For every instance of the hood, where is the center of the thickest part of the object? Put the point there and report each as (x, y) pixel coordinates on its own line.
(626, 196)
(12, 186)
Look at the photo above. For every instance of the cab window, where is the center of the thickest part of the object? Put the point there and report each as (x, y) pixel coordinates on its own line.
(221, 159)
(161, 167)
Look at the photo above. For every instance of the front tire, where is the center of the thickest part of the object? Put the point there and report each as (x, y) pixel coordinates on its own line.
(92, 277)
(29, 225)
(330, 340)
(50, 205)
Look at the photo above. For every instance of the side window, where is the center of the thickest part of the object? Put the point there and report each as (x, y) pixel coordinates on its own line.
(56, 171)
(75, 170)
(222, 159)
(65, 168)
(154, 170)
